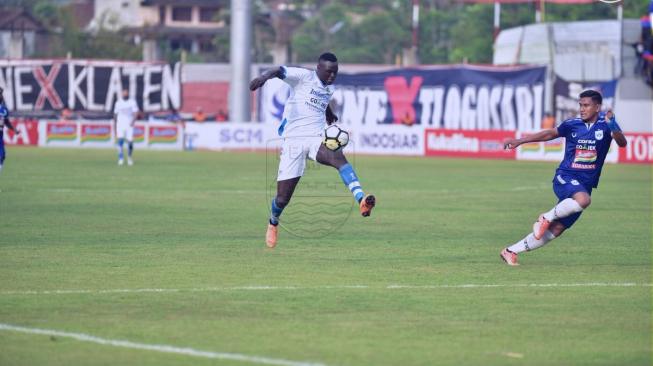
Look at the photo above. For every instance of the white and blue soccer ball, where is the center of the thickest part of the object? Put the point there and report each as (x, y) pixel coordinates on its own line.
(335, 138)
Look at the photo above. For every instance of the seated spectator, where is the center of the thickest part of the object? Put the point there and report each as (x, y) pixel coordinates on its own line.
(222, 116)
(67, 114)
(548, 121)
(199, 115)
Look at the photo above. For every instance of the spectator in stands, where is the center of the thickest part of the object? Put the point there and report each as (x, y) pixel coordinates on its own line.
(644, 48)
(199, 115)
(66, 114)
(222, 116)
(548, 121)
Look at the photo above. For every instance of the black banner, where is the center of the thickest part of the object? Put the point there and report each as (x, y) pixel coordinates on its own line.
(42, 85)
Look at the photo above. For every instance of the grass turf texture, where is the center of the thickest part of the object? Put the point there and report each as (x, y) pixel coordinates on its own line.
(72, 219)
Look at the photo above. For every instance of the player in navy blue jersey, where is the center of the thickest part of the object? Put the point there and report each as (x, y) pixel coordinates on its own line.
(4, 120)
(587, 141)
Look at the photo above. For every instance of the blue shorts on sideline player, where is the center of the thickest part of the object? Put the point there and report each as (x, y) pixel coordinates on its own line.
(565, 186)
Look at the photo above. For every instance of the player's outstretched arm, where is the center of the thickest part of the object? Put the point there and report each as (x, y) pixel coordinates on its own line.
(544, 135)
(10, 126)
(617, 135)
(259, 81)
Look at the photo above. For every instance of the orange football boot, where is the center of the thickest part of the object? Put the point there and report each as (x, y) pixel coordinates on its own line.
(271, 236)
(367, 204)
(509, 257)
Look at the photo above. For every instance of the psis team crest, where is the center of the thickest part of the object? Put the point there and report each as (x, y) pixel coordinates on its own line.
(598, 134)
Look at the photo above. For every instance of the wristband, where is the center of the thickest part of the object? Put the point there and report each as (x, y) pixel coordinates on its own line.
(613, 125)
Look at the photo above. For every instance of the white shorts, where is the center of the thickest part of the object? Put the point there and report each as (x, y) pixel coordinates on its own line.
(125, 131)
(294, 152)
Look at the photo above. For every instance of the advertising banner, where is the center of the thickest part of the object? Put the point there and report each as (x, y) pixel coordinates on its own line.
(236, 136)
(387, 140)
(59, 133)
(448, 97)
(639, 149)
(465, 143)
(100, 134)
(89, 85)
(28, 132)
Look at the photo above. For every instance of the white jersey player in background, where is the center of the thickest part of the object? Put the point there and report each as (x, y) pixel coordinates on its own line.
(305, 116)
(125, 113)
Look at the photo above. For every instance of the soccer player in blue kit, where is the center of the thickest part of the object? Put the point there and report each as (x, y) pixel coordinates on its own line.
(4, 120)
(305, 115)
(587, 141)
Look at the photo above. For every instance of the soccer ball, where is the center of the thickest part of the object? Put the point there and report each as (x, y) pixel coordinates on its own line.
(335, 138)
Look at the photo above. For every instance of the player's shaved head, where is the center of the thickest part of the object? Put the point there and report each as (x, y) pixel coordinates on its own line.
(327, 68)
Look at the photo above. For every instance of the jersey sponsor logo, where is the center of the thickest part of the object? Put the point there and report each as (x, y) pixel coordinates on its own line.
(584, 159)
(598, 134)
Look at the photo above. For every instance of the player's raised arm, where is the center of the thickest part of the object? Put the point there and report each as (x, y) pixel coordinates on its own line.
(617, 135)
(544, 135)
(259, 81)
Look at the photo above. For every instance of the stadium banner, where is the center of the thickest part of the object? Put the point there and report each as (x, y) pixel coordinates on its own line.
(458, 97)
(228, 136)
(101, 134)
(88, 85)
(28, 132)
(466, 143)
(565, 96)
(554, 150)
(639, 149)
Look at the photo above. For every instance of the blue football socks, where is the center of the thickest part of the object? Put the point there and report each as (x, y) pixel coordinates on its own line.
(350, 179)
(275, 213)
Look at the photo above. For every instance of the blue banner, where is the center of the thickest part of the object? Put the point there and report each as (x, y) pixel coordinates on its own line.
(449, 97)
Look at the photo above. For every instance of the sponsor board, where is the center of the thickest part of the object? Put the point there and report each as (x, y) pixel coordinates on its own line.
(387, 140)
(28, 132)
(96, 134)
(639, 149)
(59, 133)
(225, 136)
(101, 134)
(467, 143)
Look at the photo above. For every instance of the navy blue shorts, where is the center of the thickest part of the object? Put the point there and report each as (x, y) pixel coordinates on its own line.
(2, 147)
(565, 186)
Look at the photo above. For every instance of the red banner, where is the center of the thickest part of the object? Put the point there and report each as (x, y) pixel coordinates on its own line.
(468, 143)
(28, 133)
(639, 149)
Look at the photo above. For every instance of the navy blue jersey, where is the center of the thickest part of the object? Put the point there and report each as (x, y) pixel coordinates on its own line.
(585, 149)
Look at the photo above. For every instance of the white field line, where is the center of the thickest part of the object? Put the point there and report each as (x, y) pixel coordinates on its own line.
(157, 347)
(335, 287)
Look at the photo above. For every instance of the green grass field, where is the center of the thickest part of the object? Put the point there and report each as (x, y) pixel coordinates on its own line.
(85, 243)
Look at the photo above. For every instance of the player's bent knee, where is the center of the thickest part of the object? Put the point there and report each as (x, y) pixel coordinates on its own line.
(282, 201)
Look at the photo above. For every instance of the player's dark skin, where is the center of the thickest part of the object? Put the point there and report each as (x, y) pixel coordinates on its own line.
(326, 71)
